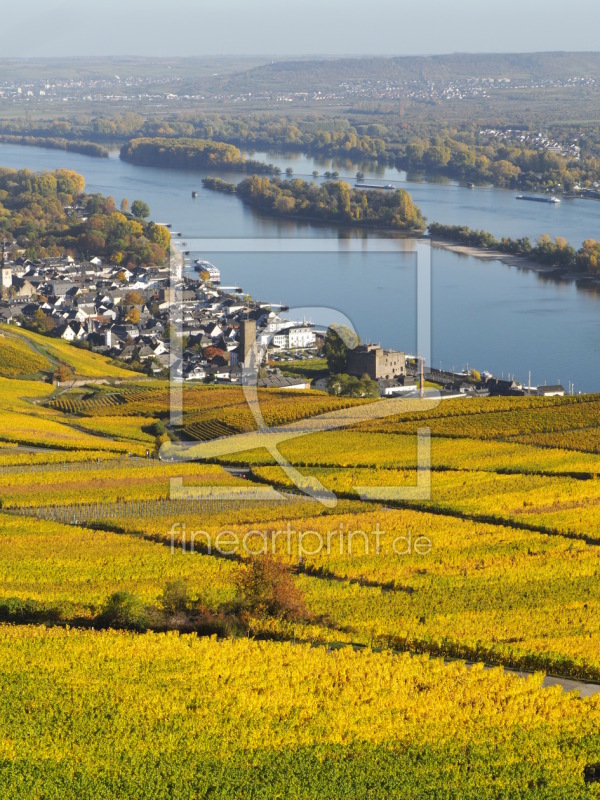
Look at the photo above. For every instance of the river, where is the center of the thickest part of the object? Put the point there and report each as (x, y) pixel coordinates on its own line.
(484, 313)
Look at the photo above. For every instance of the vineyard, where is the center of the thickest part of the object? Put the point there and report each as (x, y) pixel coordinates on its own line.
(82, 362)
(132, 711)
(18, 358)
(351, 699)
(107, 483)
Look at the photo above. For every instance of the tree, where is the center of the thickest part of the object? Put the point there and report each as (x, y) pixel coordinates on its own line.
(159, 235)
(285, 205)
(124, 205)
(63, 373)
(175, 597)
(133, 315)
(266, 588)
(42, 322)
(351, 386)
(338, 341)
(124, 610)
(140, 209)
(133, 298)
(289, 172)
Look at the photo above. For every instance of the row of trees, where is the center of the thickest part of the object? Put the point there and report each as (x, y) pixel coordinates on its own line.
(491, 162)
(333, 201)
(265, 589)
(85, 148)
(553, 252)
(219, 185)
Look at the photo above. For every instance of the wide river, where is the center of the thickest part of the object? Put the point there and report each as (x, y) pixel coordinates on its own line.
(484, 313)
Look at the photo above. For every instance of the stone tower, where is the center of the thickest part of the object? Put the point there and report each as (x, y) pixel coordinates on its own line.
(6, 278)
(247, 339)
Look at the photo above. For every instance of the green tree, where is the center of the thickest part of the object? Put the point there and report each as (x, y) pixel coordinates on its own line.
(338, 341)
(175, 597)
(140, 209)
(124, 610)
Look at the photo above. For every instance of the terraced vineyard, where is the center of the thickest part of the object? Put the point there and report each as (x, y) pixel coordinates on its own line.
(499, 564)
(99, 403)
(82, 362)
(206, 431)
(18, 358)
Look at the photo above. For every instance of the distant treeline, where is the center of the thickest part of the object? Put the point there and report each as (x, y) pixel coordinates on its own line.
(333, 201)
(556, 253)
(86, 148)
(190, 154)
(464, 151)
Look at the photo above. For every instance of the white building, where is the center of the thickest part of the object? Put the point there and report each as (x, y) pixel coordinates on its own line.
(7, 277)
(297, 336)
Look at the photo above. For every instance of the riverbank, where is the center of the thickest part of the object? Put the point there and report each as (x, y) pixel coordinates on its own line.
(510, 259)
(549, 271)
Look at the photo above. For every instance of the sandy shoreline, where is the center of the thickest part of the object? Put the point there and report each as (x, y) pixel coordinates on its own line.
(497, 255)
(522, 262)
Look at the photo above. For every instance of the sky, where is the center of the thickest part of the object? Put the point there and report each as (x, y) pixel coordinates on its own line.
(295, 27)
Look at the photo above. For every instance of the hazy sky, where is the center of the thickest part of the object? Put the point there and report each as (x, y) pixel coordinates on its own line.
(291, 27)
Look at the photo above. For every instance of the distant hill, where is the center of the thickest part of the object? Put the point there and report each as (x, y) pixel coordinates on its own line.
(307, 75)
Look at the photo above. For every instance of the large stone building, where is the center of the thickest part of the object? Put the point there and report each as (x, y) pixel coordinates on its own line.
(374, 361)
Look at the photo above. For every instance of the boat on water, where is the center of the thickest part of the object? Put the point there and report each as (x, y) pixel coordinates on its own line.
(194, 194)
(537, 199)
(205, 268)
(387, 186)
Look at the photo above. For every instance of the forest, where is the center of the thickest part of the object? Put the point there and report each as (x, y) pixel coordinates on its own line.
(189, 154)
(48, 214)
(332, 201)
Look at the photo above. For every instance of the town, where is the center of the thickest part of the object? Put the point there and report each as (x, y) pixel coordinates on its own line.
(134, 315)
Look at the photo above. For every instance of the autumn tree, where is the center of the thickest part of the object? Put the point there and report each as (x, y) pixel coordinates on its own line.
(159, 235)
(133, 299)
(133, 316)
(267, 589)
(63, 373)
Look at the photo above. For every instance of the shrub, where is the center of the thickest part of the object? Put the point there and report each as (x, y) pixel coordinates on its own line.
(266, 588)
(124, 610)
